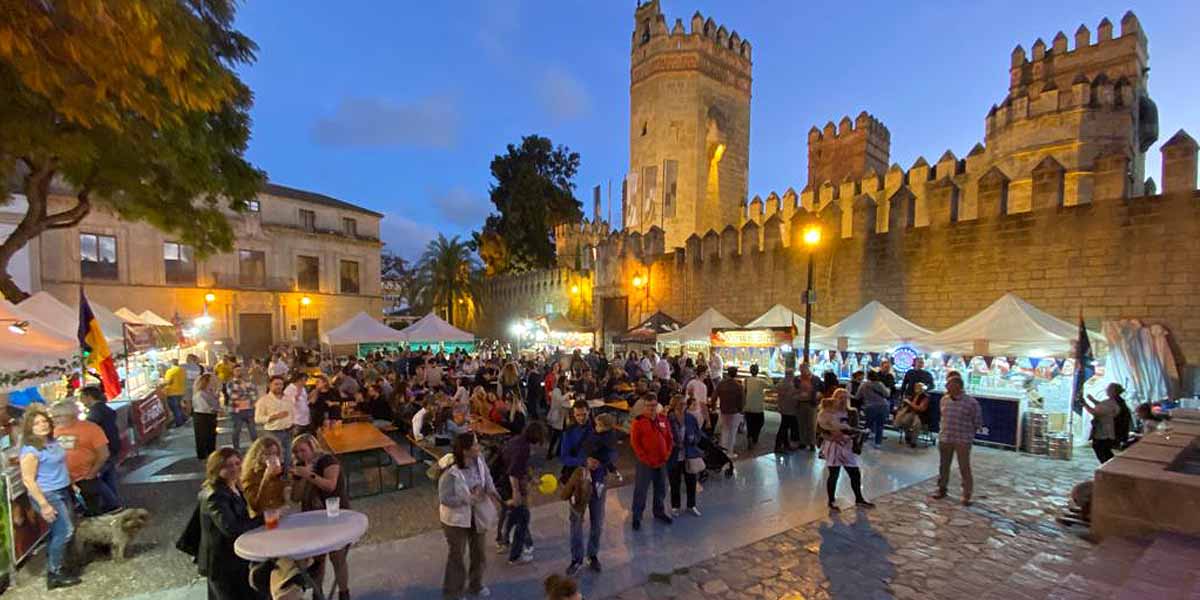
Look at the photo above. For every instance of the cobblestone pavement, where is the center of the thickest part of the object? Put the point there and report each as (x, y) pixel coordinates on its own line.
(1005, 546)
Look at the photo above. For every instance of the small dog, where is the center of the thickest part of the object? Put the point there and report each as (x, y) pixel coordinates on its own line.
(115, 531)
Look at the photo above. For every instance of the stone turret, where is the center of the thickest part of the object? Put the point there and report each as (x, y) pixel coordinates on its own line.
(689, 125)
(850, 149)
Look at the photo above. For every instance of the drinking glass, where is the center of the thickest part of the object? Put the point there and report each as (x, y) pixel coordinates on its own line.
(271, 518)
(333, 507)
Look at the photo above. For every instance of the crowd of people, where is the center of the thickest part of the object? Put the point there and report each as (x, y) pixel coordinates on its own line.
(685, 411)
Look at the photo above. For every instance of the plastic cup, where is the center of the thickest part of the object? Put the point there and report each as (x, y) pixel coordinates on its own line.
(333, 507)
(271, 518)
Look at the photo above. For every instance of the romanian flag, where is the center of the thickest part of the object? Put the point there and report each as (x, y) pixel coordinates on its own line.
(95, 349)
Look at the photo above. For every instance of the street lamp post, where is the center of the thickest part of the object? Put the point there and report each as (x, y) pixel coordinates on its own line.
(812, 237)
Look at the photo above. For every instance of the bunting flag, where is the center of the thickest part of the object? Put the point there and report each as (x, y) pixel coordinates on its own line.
(1085, 366)
(95, 349)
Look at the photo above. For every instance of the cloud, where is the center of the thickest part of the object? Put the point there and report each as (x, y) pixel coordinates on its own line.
(406, 237)
(461, 207)
(499, 25)
(430, 122)
(562, 95)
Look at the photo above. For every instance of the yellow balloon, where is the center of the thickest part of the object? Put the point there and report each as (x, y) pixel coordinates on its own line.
(547, 484)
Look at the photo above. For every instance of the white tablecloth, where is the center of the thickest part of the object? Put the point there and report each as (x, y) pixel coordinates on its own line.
(302, 535)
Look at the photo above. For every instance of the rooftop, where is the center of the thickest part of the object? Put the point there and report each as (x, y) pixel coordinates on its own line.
(283, 191)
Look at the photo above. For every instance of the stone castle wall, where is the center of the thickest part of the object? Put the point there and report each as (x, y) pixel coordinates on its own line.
(1112, 258)
(506, 298)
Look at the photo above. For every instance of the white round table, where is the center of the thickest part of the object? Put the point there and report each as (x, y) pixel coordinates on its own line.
(302, 535)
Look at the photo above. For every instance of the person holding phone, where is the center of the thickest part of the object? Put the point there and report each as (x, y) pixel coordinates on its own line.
(318, 477)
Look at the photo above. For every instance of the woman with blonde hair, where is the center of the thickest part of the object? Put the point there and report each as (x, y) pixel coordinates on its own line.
(837, 448)
(262, 476)
(318, 477)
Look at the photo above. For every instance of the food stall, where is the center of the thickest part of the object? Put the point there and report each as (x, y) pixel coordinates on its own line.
(645, 334)
(554, 332)
(696, 336)
(768, 347)
(434, 333)
(35, 360)
(359, 330)
(1016, 359)
(870, 335)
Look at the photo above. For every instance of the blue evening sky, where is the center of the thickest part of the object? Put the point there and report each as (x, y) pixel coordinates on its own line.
(400, 105)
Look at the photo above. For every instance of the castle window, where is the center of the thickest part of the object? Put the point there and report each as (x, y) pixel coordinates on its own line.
(954, 207)
(911, 213)
(645, 125)
(645, 31)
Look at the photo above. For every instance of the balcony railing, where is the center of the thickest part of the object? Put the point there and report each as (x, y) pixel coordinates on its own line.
(322, 231)
(243, 281)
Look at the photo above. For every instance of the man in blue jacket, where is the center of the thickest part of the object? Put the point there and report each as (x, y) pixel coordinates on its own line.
(572, 452)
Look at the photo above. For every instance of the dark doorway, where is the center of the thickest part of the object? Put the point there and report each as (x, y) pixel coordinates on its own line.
(615, 318)
(310, 333)
(255, 335)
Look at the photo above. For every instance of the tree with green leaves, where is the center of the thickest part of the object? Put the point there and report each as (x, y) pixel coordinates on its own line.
(533, 192)
(449, 279)
(133, 106)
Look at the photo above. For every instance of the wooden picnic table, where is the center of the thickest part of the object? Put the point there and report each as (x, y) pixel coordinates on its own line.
(483, 426)
(352, 439)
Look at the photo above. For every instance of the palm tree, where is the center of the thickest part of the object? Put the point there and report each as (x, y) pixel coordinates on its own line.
(447, 275)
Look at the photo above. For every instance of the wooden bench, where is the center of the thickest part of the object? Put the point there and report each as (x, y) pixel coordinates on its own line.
(354, 442)
(426, 446)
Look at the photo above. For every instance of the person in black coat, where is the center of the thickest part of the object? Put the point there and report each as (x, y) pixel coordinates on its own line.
(223, 517)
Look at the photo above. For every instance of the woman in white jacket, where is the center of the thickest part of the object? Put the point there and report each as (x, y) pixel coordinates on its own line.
(467, 501)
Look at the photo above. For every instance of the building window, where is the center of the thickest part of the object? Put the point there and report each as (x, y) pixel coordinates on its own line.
(308, 220)
(97, 256)
(350, 227)
(179, 263)
(308, 273)
(349, 276)
(253, 206)
(252, 268)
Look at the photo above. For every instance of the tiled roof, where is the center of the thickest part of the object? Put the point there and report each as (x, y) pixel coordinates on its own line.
(274, 189)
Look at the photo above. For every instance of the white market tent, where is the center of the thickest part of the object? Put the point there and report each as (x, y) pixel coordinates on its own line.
(874, 328)
(129, 316)
(51, 310)
(1011, 326)
(40, 346)
(782, 316)
(699, 330)
(148, 317)
(432, 328)
(361, 329)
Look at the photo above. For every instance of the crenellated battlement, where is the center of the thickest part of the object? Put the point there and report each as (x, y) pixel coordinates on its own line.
(848, 149)
(707, 46)
(1057, 65)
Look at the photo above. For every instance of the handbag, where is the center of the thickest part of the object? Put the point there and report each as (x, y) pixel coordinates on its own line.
(857, 438)
(695, 465)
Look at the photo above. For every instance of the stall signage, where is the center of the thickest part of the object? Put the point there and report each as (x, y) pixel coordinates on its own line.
(752, 338)
(904, 357)
(140, 338)
(149, 416)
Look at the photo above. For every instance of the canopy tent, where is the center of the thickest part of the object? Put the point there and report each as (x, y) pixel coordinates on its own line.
(1141, 360)
(49, 309)
(148, 317)
(699, 330)
(782, 316)
(40, 346)
(874, 328)
(1011, 326)
(647, 331)
(559, 322)
(129, 316)
(361, 329)
(431, 328)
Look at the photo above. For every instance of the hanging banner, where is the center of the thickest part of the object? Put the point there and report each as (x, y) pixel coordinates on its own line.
(140, 338)
(149, 417)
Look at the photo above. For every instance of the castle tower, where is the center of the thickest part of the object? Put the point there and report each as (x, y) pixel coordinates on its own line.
(1081, 105)
(689, 151)
(848, 150)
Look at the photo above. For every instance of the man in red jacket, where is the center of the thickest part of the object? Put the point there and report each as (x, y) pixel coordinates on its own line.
(650, 437)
